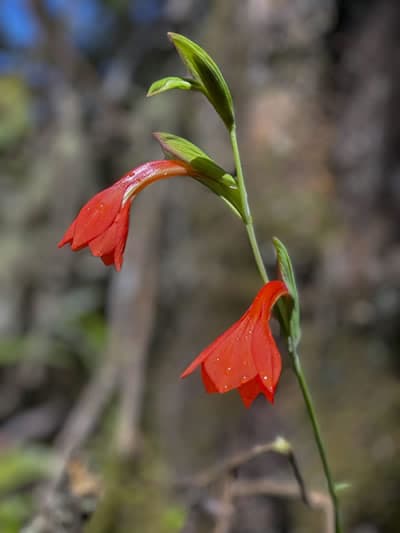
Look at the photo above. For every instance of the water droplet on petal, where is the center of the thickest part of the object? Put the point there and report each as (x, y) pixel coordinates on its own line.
(244, 378)
(225, 387)
(228, 369)
(265, 378)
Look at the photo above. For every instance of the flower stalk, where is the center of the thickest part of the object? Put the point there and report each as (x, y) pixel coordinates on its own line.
(248, 219)
(298, 370)
(297, 367)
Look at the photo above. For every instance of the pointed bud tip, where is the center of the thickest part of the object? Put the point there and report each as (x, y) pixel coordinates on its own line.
(171, 36)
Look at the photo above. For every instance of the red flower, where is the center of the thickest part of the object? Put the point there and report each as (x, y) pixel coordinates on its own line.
(245, 357)
(103, 223)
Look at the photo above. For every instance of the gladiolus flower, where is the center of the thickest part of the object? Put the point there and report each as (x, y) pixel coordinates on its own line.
(245, 357)
(103, 223)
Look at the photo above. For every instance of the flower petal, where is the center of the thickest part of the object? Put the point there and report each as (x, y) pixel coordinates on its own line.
(108, 259)
(96, 218)
(208, 384)
(97, 215)
(230, 364)
(110, 245)
(250, 390)
(245, 356)
(228, 360)
(266, 355)
(266, 358)
(122, 235)
(68, 235)
(205, 353)
(105, 243)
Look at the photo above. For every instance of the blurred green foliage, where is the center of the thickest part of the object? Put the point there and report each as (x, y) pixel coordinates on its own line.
(19, 469)
(14, 511)
(15, 105)
(23, 466)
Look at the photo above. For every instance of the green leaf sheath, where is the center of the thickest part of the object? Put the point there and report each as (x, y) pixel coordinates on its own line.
(173, 82)
(292, 309)
(210, 173)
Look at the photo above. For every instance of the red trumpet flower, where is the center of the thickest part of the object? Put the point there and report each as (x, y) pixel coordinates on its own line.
(103, 223)
(245, 357)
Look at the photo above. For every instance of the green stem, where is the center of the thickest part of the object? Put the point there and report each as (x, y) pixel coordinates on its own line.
(248, 220)
(317, 436)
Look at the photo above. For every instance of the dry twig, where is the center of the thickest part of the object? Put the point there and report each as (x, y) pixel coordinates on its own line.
(235, 488)
(287, 490)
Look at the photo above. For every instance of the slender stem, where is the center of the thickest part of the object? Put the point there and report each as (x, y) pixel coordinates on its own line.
(317, 435)
(296, 360)
(248, 219)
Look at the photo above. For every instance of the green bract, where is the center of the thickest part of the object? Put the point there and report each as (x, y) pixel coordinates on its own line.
(206, 72)
(173, 82)
(287, 274)
(212, 175)
(207, 78)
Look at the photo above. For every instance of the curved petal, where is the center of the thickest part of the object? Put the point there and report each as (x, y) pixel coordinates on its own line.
(108, 259)
(145, 174)
(270, 294)
(228, 360)
(267, 358)
(250, 390)
(68, 235)
(110, 245)
(245, 356)
(122, 235)
(206, 352)
(97, 215)
(231, 364)
(266, 355)
(208, 383)
(105, 243)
